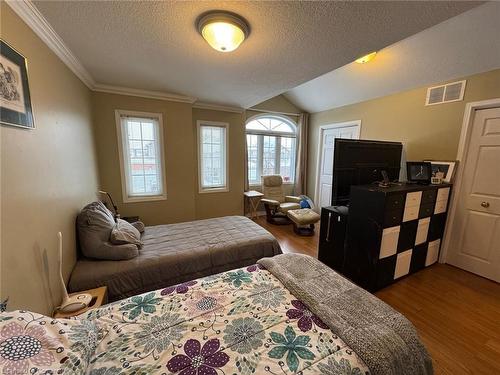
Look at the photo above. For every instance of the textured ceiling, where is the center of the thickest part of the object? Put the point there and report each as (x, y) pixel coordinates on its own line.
(461, 46)
(155, 46)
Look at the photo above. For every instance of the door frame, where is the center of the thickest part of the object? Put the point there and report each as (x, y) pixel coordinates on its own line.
(322, 128)
(462, 154)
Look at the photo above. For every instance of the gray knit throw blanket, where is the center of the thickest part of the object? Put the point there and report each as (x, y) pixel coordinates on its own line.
(385, 340)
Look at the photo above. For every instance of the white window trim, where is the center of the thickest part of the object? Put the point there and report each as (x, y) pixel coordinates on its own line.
(140, 198)
(225, 125)
(274, 134)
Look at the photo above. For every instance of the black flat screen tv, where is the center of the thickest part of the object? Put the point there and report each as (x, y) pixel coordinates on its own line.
(361, 162)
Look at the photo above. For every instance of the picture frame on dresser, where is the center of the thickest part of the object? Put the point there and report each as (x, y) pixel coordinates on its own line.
(15, 100)
(446, 167)
(419, 172)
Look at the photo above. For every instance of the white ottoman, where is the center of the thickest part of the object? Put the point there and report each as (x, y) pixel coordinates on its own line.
(303, 221)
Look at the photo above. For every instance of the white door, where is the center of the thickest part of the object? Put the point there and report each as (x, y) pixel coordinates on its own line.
(328, 134)
(475, 235)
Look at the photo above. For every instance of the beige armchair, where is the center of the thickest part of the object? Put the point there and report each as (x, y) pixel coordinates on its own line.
(276, 202)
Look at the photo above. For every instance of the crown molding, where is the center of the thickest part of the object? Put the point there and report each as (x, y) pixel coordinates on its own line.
(217, 107)
(27, 11)
(161, 95)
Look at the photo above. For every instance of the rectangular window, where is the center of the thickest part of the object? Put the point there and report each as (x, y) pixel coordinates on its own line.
(287, 159)
(140, 139)
(270, 155)
(212, 156)
(253, 158)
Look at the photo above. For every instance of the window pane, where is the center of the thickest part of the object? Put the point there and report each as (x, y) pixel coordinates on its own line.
(255, 125)
(136, 167)
(150, 166)
(212, 152)
(143, 161)
(138, 184)
(271, 124)
(216, 136)
(282, 127)
(134, 130)
(269, 156)
(148, 149)
(287, 158)
(265, 122)
(147, 131)
(253, 158)
(152, 183)
(135, 149)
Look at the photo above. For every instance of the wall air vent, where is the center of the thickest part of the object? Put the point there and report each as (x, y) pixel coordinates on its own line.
(451, 92)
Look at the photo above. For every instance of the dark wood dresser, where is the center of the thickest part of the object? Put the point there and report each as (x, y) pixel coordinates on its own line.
(390, 232)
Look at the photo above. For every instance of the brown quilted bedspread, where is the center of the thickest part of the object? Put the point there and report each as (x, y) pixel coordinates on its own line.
(175, 253)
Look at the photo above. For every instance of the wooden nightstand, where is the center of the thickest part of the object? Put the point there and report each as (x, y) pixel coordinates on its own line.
(99, 298)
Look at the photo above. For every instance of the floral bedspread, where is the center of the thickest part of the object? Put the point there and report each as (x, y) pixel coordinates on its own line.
(238, 322)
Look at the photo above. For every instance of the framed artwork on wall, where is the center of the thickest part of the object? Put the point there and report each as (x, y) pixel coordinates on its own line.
(443, 169)
(15, 101)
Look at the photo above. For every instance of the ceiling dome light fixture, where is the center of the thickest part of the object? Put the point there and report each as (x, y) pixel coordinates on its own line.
(366, 58)
(224, 31)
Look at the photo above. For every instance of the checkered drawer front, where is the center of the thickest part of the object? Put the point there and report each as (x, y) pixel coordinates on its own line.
(403, 261)
(395, 266)
(412, 206)
(432, 252)
(422, 231)
(389, 243)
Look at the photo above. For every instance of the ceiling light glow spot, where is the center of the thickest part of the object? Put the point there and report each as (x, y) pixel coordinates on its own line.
(366, 58)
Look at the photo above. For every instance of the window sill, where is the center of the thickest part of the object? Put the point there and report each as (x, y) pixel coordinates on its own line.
(145, 198)
(213, 190)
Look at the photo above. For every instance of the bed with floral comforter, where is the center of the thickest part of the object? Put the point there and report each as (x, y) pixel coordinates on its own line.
(238, 322)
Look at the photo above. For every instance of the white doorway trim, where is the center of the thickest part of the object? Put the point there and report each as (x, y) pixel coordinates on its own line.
(463, 148)
(322, 128)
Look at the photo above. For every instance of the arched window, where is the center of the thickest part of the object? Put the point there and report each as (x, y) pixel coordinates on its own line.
(271, 143)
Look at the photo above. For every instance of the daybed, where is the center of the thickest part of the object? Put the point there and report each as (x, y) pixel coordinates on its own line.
(289, 314)
(175, 253)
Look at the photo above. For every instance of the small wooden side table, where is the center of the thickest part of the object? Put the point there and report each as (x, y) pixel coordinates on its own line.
(253, 197)
(99, 298)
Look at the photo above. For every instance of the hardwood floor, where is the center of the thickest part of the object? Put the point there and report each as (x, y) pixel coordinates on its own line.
(456, 313)
(289, 241)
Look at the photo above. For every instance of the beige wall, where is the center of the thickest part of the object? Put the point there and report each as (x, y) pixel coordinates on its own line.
(231, 202)
(184, 201)
(47, 174)
(430, 132)
(279, 104)
(179, 168)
